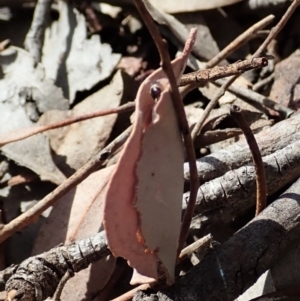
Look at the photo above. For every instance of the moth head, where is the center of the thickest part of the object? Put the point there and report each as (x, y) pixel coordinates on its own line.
(155, 91)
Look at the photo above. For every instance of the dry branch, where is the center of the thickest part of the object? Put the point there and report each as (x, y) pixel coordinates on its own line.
(222, 275)
(223, 71)
(236, 188)
(38, 277)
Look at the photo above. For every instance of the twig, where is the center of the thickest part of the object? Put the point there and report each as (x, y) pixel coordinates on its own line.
(25, 133)
(182, 120)
(35, 36)
(31, 215)
(239, 41)
(197, 129)
(276, 29)
(261, 187)
(236, 43)
(223, 71)
(63, 281)
(257, 86)
(201, 243)
(129, 295)
(257, 100)
(4, 44)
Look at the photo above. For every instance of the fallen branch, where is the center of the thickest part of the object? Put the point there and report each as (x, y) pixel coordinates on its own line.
(236, 188)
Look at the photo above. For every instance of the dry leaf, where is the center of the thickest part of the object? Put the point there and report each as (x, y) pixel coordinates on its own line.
(76, 63)
(76, 144)
(23, 81)
(79, 215)
(143, 208)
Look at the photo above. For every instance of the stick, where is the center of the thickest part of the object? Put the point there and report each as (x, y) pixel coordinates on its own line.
(223, 71)
(182, 120)
(239, 41)
(28, 132)
(198, 126)
(257, 100)
(261, 187)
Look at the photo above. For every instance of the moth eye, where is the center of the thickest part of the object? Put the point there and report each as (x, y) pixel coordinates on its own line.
(155, 91)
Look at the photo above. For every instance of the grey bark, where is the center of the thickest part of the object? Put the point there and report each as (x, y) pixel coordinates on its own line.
(270, 140)
(37, 277)
(236, 189)
(228, 270)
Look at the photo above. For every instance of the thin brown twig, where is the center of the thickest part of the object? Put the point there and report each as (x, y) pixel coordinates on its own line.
(262, 83)
(195, 246)
(276, 29)
(223, 71)
(257, 100)
(239, 41)
(32, 214)
(197, 129)
(28, 132)
(63, 281)
(261, 186)
(182, 120)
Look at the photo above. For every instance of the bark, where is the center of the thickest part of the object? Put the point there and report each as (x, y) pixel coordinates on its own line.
(37, 277)
(236, 189)
(228, 270)
(270, 140)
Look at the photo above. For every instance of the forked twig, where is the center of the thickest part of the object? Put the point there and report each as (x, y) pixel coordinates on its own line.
(261, 186)
(182, 120)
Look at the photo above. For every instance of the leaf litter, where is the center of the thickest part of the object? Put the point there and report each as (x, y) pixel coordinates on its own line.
(66, 83)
